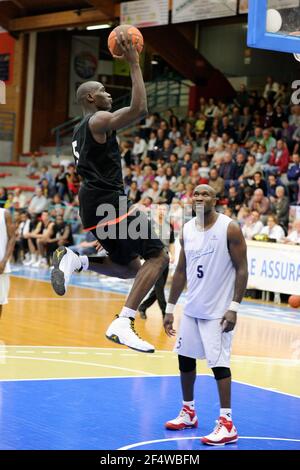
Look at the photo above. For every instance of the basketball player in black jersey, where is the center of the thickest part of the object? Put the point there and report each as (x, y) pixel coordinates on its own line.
(98, 161)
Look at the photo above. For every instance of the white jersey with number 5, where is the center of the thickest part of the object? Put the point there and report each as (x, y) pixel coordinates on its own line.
(209, 269)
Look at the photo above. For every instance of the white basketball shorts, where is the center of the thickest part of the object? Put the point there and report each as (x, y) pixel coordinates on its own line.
(4, 288)
(204, 339)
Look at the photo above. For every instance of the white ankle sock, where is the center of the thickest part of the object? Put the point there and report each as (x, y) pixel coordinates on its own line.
(226, 413)
(84, 262)
(127, 312)
(190, 404)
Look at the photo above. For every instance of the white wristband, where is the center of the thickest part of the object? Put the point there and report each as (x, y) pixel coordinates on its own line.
(170, 308)
(234, 306)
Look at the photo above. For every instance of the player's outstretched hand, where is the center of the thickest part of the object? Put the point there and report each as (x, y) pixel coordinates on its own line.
(168, 324)
(228, 321)
(129, 49)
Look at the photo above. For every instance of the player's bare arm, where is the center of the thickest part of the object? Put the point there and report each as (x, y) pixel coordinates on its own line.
(104, 121)
(178, 284)
(11, 239)
(238, 253)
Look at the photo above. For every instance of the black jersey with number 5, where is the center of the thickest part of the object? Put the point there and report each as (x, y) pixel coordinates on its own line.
(99, 165)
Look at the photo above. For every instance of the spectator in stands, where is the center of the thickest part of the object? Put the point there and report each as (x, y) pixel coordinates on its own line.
(285, 133)
(9, 205)
(214, 142)
(259, 202)
(272, 183)
(253, 225)
(227, 170)
(48, 191)
(139, 148)
(183, 178)
(280, 207)
(235, 200)
(45, 173)
(271, 89)
(216, 182)
(243, 215)
(250, 169)
(21, 245)
(134, 195)
(60, 234)
(125, 147)
(269, 116)
(19, 199)
(179, 148)
(154, 191)
(160, 176)
(38, 202)
(204, 172)
(166, 194)
(73, 181)
(170, 176)
(256, 137)
(268, 140)
(242, 97)
(39, 229)
(294, 118)
(294, 236)
(261, 155)
(138, 176)
(61, 181)
(259, 183)
(272, 229)
(33, 167)
(167, 149)
(3, 197)
(279, 159)
(174, 134)
(87, 246)
(293, 176)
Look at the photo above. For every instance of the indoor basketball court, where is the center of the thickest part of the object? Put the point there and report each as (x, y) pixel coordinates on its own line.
(63, 385)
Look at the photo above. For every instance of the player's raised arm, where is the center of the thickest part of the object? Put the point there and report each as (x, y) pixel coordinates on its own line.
(104, 121)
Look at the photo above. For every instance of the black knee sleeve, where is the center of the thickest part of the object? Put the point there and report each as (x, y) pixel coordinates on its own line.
(221, 372)
(186, 364)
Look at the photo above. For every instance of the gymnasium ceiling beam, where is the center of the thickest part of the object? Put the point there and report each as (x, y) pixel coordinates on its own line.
(106, 6)
(64, 19)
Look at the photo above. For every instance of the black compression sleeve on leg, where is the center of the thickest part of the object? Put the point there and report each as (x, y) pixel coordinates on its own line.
(221, 372)
(186, 364)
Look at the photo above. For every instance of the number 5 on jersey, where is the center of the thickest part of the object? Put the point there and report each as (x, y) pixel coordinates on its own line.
(200, 272)
(75, 153)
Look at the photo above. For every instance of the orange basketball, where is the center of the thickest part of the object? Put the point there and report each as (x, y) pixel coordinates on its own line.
(294, 301)
(127, 29)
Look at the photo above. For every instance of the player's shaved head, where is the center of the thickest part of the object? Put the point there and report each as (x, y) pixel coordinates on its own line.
(84, 89)
(206, 187)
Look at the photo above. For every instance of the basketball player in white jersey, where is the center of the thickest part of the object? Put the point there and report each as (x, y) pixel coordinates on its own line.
(7, 243)
(213, 261)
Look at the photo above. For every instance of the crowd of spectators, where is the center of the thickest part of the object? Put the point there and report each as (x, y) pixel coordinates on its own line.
(247, 150)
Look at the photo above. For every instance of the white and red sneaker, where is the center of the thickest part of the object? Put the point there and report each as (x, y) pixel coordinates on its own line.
(187, 418)
(224, 433)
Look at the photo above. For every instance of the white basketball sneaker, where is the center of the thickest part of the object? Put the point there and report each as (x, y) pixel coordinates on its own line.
(122, 331)
(65, 262)
(224, 433)
(187, 418)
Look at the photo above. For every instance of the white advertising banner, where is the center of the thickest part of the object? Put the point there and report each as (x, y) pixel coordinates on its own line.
(194, 10)
(83, 67)
(274, 267)
(143, 13)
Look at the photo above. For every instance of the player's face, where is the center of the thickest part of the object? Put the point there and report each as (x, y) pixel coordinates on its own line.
(103, 100)
(203, 199)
